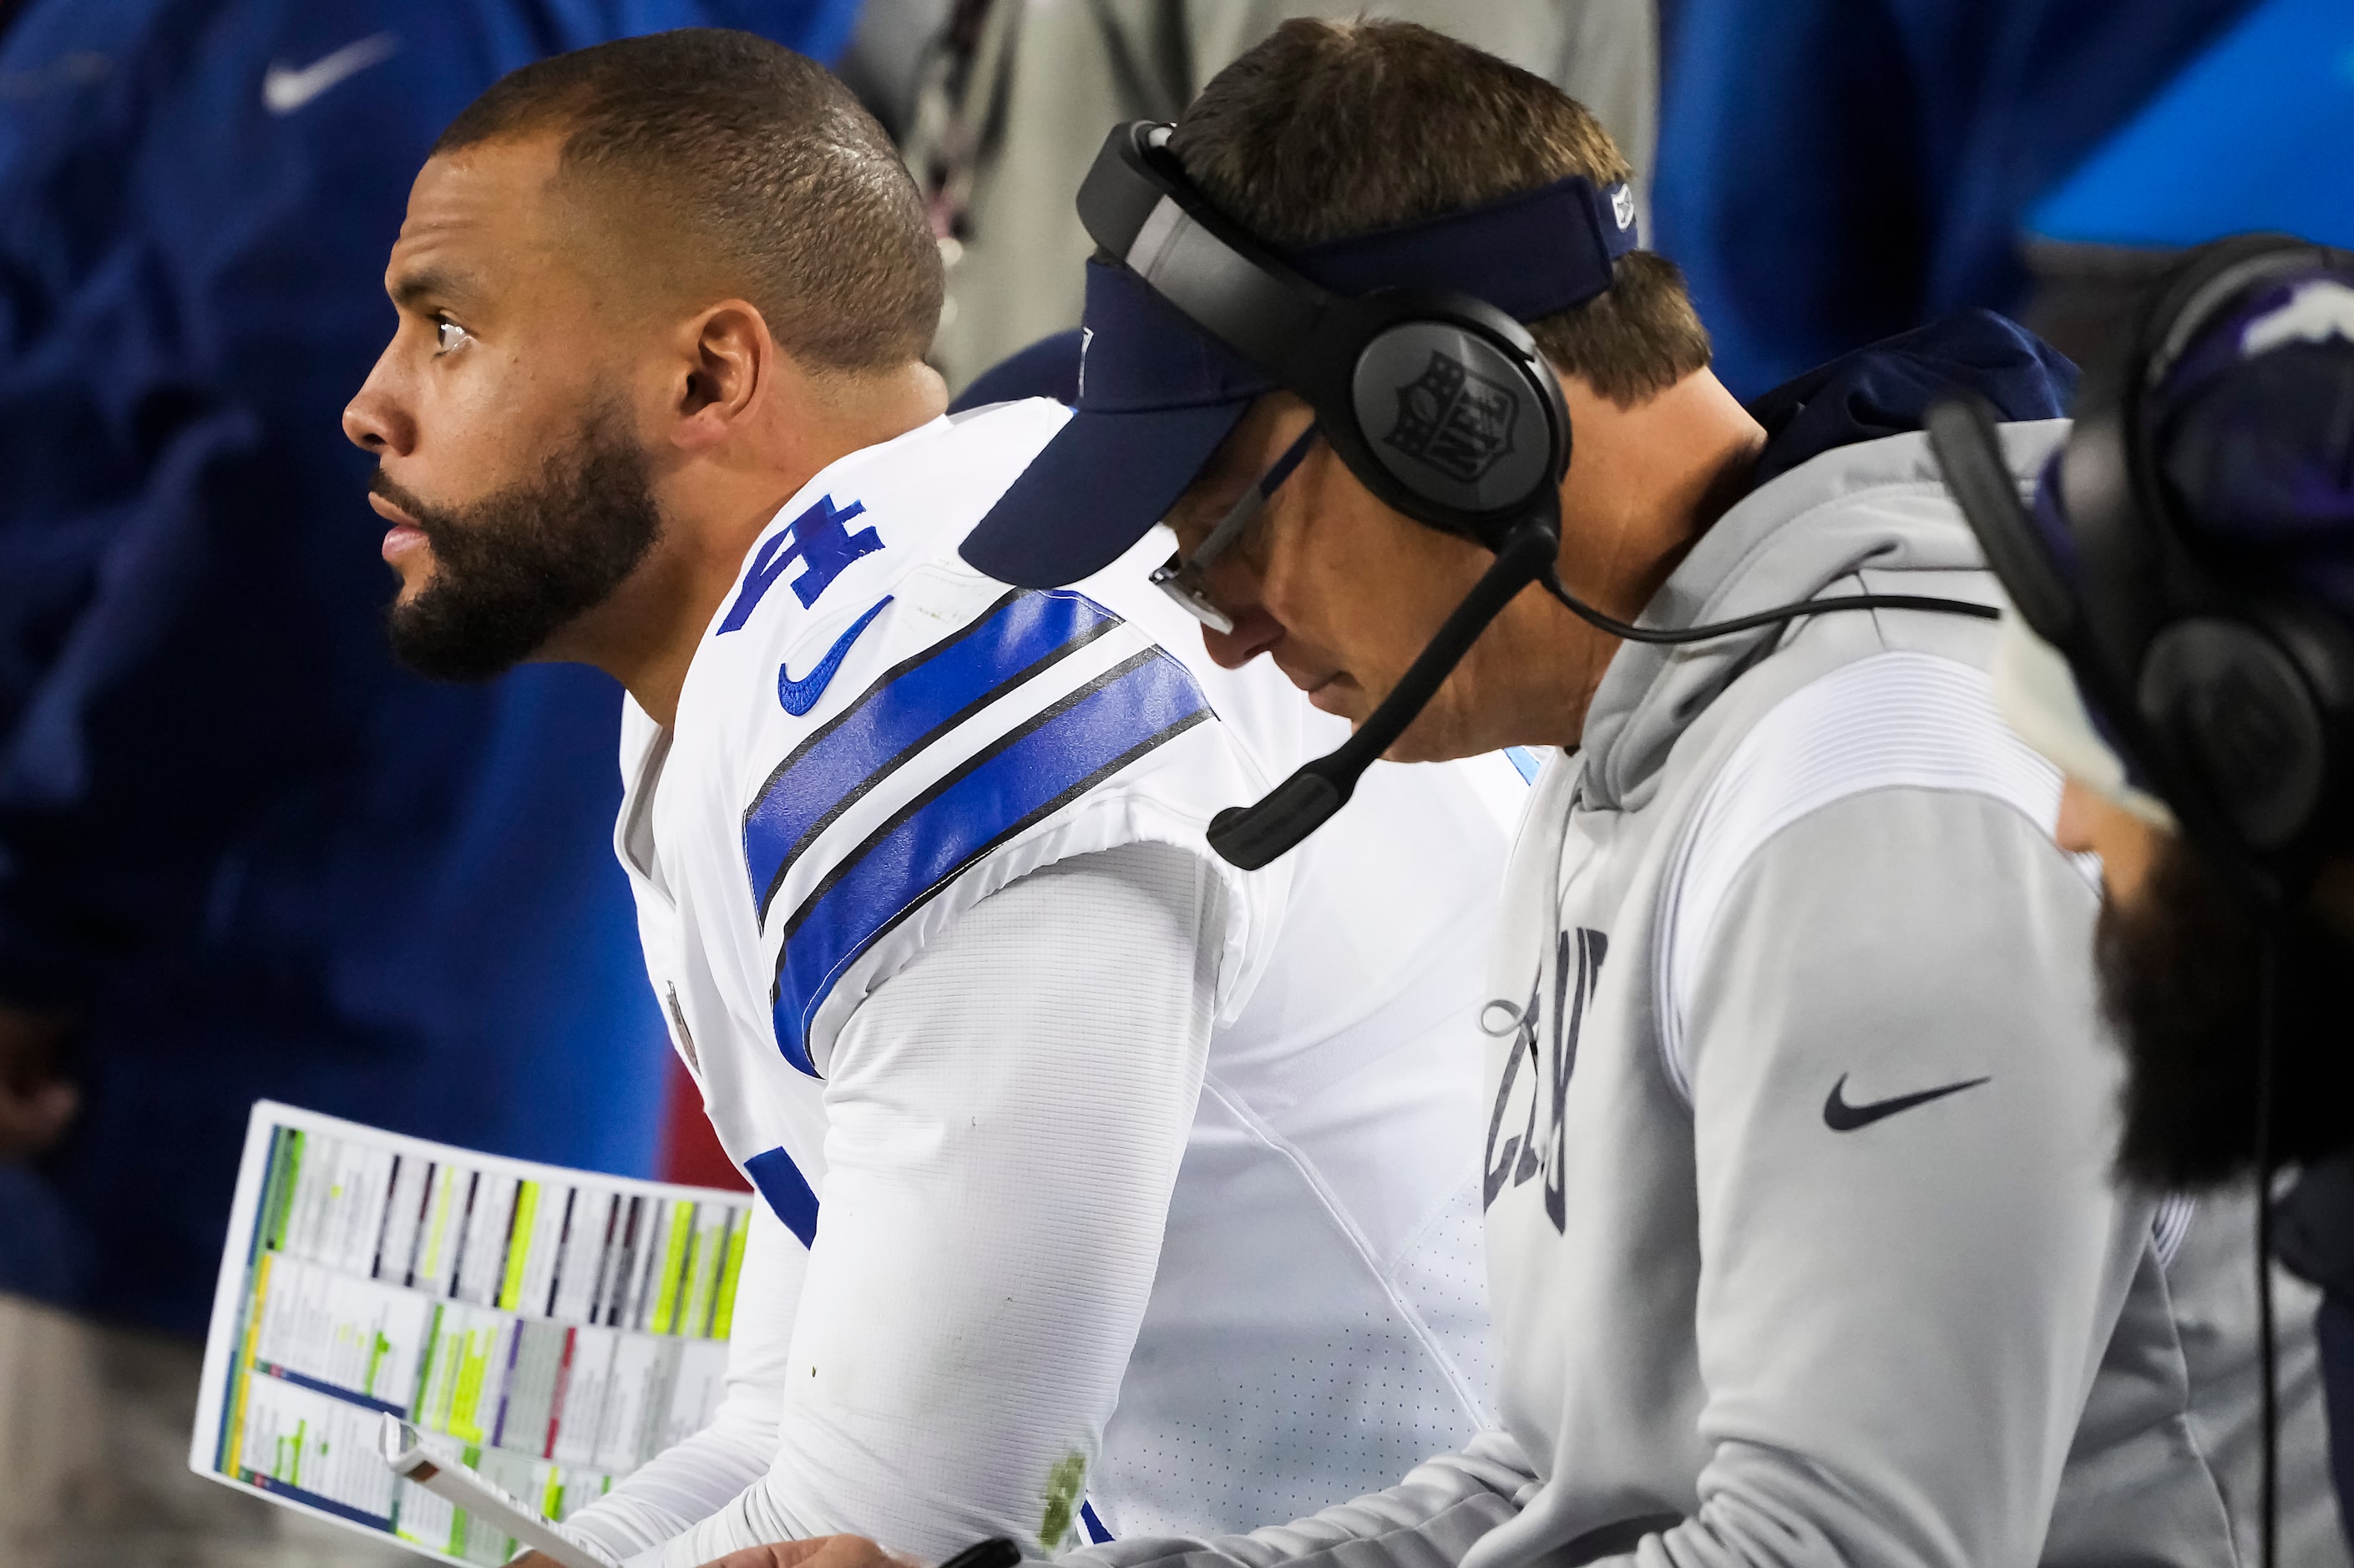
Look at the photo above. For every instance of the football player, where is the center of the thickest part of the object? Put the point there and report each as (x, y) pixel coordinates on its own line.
(1106, 1188)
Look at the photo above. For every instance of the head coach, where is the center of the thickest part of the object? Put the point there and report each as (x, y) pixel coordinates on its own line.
(1802, 1240)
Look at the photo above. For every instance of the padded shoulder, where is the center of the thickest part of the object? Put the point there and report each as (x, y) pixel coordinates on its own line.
(1041, 725)
(896, 734)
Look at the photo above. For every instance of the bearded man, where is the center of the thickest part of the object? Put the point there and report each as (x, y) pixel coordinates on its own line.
(1047, 1103)
(2184, 641)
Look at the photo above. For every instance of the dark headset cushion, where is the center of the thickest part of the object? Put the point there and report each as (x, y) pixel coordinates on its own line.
(2235, 707)
(1452, 418)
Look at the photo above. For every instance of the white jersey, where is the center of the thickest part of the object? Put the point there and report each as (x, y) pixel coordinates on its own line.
(1118, 1189)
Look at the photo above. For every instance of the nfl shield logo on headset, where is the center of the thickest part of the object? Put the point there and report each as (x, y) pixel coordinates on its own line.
(1454, 419)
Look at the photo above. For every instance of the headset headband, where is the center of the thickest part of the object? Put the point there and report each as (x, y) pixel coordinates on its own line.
(1359, 359)
(1529, 254)
(1139, 206)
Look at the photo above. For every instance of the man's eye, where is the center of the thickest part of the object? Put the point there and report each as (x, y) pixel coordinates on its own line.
(449, 334)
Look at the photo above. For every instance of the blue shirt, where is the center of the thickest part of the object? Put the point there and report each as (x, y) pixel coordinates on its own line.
(251, 854)
(2245, 138)
(1830, 173)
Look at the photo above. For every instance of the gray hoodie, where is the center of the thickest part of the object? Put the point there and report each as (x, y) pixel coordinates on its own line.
(1802, 1241)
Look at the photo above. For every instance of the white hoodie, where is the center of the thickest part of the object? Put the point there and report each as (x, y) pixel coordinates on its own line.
(1803, 1246)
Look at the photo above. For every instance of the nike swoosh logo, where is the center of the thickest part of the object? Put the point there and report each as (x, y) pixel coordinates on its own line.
(800, 696)
(285, 90)
(1841, 1116)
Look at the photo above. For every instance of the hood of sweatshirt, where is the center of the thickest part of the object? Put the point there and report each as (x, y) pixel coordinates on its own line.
(1834, 435)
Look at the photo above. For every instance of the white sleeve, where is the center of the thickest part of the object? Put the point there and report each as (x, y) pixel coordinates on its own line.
(694, 1479)
(1005, 1120)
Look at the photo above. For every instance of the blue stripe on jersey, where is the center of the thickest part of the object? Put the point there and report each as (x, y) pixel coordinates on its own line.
(1019, 780)
(1525, 761)
(1097, 1533)
(910, 705)
(788, 1191)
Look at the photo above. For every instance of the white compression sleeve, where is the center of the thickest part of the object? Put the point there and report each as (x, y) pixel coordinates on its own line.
(694, 1479)
(1006, 1116)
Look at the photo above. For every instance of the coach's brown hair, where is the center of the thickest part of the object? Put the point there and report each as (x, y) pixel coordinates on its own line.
(1329, 129)
(738, 162)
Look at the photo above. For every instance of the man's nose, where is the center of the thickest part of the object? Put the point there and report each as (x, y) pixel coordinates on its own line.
(374, 421)
(1255, 632)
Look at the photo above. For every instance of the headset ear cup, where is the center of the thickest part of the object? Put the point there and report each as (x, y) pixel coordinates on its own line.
(2238, 716)
(1457, 422)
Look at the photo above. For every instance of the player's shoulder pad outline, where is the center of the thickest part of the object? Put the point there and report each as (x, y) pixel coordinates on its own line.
(1045, 740)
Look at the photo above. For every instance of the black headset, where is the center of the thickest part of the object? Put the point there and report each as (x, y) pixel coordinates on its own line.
(1372, 368)
(1377, 371)
(2236, 701)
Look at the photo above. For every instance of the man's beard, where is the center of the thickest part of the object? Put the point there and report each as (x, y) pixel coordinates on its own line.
(2180, 979)
(515, 567)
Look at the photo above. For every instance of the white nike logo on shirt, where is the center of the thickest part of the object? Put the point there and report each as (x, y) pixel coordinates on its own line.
(285, 90)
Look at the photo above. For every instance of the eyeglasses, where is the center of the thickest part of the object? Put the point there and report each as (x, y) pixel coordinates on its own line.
(1182, 578)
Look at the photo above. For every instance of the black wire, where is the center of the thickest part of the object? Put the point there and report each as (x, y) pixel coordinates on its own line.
(2267, 986)
(1804, 608)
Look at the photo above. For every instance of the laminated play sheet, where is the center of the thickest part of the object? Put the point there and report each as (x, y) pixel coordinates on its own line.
(552, 1328)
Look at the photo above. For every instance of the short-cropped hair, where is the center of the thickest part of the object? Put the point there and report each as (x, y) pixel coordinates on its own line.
(757, 165)
(1329, 129)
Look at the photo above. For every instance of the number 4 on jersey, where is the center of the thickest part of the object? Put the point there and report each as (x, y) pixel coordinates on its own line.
(817, 540)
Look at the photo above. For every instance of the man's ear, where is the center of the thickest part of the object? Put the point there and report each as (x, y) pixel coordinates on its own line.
(729, 363)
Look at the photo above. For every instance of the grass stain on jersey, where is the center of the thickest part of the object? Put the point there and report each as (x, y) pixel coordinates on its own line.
(1065, 1484)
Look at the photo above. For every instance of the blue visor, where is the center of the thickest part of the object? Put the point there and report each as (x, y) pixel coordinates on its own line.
(1157, 394)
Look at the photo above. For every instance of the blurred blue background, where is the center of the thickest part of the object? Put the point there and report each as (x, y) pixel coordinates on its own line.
(241, 855)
